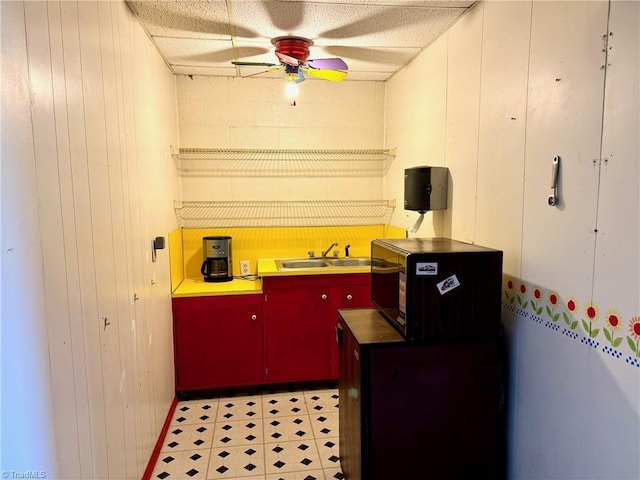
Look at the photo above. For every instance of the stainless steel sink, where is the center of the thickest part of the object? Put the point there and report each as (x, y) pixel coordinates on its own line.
(349, 262)
(306, 263)
(302, 263)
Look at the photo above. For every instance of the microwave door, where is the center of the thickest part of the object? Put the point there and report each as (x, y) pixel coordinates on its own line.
(386, 271)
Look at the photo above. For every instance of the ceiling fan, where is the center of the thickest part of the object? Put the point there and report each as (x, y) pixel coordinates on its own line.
(293, 53)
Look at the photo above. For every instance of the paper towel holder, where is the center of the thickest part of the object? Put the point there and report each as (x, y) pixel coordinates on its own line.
(425, 188)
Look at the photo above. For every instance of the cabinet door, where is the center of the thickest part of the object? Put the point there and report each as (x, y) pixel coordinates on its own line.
(296, 334)
(301, 315)
(217, 344)
(356, 295)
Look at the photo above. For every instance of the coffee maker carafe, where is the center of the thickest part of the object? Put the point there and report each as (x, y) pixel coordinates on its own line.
(216, 265)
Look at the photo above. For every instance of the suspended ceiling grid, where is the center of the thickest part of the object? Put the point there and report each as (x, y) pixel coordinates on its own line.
(374, 37)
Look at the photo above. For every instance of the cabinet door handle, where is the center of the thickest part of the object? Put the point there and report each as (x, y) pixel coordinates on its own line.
(254, 317)
(349, 297)
(324, 296)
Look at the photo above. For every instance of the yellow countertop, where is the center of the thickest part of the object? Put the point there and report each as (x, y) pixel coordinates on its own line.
(197, 287)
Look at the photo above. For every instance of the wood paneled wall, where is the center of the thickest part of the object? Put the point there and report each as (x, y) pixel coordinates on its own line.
(516, 83)
(103, 115)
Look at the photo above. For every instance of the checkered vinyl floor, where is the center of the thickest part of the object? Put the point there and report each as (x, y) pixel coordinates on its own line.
(268, 436)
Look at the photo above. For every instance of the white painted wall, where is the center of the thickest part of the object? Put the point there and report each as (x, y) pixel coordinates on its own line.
(220, 112)
(94, 184)
(415, 123)
(26, 391)
(508, 87)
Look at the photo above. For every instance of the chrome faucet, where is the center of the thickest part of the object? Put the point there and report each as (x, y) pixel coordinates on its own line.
(324, 254)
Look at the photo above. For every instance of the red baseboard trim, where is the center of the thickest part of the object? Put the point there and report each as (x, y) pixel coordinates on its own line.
(163, 433)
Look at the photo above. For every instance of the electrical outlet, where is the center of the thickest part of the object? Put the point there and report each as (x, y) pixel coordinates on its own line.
(244, 268)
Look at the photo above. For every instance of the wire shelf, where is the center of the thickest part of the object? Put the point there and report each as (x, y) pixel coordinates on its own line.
(222, 162)
(209, 214)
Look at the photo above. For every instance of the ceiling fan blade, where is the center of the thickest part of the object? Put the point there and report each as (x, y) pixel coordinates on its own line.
(224, 55)
(180, 17)
(383, 19)
(280, 68)
(287, 59)
(331, 75)
(391, 56)
(255, 64)
(327, 64)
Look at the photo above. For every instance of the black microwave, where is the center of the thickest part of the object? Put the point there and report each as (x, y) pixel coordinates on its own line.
(437, 290)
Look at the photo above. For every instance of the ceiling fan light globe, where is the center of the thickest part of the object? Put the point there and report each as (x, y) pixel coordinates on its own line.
(291, 90)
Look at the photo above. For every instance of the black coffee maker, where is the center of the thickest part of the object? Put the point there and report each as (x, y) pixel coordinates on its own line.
(216, 265)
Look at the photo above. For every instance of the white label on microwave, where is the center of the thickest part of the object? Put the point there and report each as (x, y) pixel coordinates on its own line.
(448, 284)
(426, 268)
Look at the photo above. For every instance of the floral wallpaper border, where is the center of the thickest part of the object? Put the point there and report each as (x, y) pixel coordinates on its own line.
(603, 330)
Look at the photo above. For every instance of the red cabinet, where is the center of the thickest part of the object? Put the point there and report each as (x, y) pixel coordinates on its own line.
(353, 292)
(301, 314)
(227, 341)
(296, 331)
(218, 341)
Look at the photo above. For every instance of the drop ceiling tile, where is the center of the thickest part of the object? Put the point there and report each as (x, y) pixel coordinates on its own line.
(346, 24)
(369, 59)
(375, 37)
(248, 51)
(197, 51)
(189, 18)
(388, 26)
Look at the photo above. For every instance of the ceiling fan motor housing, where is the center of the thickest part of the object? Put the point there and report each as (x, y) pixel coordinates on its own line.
(295, 47)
